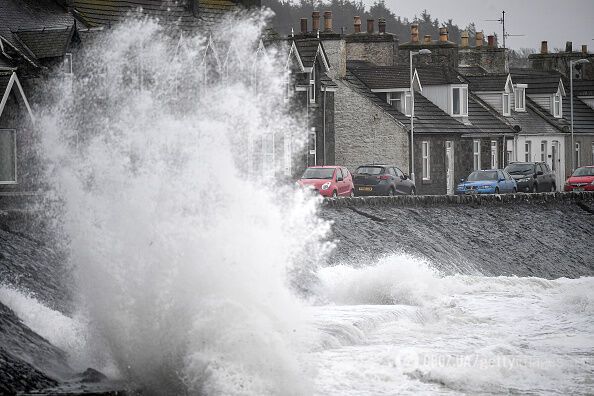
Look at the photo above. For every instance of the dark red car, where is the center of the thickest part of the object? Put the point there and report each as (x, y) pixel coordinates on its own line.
(329, 181)
(582, 179)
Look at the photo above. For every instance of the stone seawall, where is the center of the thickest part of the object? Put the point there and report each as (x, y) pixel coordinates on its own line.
(548, 235)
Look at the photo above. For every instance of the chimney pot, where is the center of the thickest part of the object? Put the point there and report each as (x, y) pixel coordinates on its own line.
(427, 39)
(327, 21)
(544, 47)
(464, 39)
(370, 26)
(443, 35)
(480, 36)
(491, 41)
(382, 25)
(357, 23)
(585, 49)
(303, 25)
(569, 46)
(414, 33)
(315, 21)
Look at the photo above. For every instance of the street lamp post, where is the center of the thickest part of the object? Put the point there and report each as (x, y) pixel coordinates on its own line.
(572, 64)
(412, 112)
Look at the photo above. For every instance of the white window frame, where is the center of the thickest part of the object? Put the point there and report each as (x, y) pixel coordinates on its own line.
(463, 100)
(14, 140)
(476, 155)
(557, 99)
(543, 151)
(520, 92)
(528, 151)
(407, 102)
(394, 99)
(312, 84)
(494, 159)
(506, 105)
(426, 160)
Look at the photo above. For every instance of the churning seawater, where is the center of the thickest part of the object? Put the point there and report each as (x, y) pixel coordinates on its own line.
(187, 255)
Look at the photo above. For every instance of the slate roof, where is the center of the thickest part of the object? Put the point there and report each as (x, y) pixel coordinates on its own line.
(24, 15)
(4, 78)
(429, 119)
(485, 119)
(46, 43)
(583, 116)
(327, 81)
(381, 77)
(580, 87)
(471, 70)
(538, 82)
(487, 83)
(307, 48)
(177, 12)
(438, 75)
(543, 120)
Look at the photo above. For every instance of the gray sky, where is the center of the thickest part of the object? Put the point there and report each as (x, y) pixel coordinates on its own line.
(556, 21)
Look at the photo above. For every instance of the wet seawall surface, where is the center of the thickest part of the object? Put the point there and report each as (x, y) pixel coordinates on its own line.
(549, 235)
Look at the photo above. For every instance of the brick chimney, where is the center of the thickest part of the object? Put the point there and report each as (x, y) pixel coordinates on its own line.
(427, 39)
(544, 47)
(370, 27)
(443, 35)
(479, 37)
(357, 24)
(491, 41)
(584, 49)
(327, 21)
(568, 46)
(303, 25)
(464, 39)
(382, 25)
(315, 21)
(414, 33)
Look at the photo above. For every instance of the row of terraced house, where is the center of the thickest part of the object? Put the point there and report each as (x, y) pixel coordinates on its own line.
(471, 111)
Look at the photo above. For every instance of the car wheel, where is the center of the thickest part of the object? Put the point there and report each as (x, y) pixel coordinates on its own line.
(496, 190)
(412, 191)
(352, 193)
(334, 194)
(534, 188)
(391, 192)
(514, 190)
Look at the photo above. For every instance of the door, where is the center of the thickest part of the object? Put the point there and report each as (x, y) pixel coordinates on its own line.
(450, 167)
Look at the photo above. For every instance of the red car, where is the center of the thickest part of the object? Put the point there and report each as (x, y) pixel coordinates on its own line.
(582, 179)
(329, 181)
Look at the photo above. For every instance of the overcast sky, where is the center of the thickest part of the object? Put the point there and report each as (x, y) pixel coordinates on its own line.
(556, 21)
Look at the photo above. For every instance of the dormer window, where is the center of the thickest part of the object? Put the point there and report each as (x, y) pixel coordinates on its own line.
(506, 105)
(459, 101)
(557, 105)
(520, 98)
(401, 101)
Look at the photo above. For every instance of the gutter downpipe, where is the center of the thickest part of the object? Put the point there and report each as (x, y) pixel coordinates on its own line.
(324, 126)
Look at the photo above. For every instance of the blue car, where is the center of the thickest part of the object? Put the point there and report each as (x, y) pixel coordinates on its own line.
(493, 181)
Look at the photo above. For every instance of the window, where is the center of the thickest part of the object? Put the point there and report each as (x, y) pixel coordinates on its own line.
(506, 105)
(557, 105)
(7, 156)
(339, 174)
(578, 159)
(543, 152)
(399, 173)
(426, 155)
(407, 103)
(476, 154)
(395, 100)
(520, 98)
(494, 162)
(312, 84)
(67, 65)
(528, 151)
(459, 101)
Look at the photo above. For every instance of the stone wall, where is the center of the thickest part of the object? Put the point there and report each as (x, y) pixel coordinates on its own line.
(364, 133)
(379, 49)
(494, 60)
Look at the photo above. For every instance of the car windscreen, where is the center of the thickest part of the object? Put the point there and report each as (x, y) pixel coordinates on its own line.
(483, 175)
(369, 170)
(583, 172)
(318, 173)
(519, 169)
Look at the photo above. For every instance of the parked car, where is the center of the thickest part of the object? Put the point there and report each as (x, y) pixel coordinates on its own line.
(329, 181)
(493, 181)
(382, 180)
(582, 179)
(532, 176)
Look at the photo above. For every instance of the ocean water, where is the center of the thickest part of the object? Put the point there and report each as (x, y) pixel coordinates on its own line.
(195, 271)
